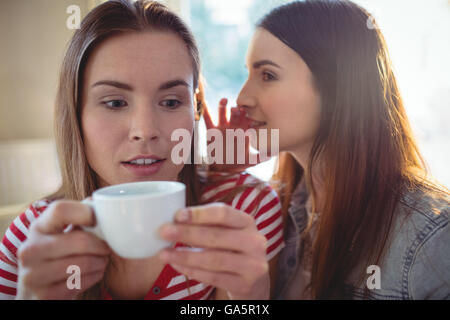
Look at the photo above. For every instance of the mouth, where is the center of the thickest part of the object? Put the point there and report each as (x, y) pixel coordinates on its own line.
(144, 165)
(256, 123)
(142, 160)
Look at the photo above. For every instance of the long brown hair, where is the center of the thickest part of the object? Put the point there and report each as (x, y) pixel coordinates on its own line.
(364, 142)
(104, 21)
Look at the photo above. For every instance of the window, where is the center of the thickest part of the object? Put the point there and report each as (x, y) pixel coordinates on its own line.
(223, 30)
(418, 37)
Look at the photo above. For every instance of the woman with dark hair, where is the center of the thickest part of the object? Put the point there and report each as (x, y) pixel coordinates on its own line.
(129, 79)
(363, 219)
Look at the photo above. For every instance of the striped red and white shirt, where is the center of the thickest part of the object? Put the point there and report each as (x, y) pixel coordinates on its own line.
(262, 203)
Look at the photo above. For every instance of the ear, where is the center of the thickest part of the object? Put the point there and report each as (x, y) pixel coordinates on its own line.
(196, 106)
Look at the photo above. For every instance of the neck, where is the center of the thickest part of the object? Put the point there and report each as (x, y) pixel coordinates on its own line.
(302, 158)
(132, 278)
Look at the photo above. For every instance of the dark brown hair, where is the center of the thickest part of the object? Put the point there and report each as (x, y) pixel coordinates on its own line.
(364, 141)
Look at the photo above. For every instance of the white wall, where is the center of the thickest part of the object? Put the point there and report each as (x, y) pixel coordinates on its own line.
(417, 33)
(34, 37)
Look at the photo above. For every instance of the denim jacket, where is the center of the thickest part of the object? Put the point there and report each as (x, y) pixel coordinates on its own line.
(416, 264)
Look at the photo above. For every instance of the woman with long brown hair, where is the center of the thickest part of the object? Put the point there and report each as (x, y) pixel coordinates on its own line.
(129, 79)
(362, 217)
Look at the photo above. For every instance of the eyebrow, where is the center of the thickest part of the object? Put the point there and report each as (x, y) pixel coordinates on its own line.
(165, 86)
(261, 63)
(112, 83)
(173, 83)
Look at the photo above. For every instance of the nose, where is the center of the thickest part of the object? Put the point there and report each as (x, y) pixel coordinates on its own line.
(144, 124)
(246, 99)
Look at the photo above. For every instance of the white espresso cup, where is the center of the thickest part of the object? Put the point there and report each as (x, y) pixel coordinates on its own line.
(128, 215)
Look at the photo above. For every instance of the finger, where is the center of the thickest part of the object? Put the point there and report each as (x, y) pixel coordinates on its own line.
(54, 271)
(61, 291)
(223, 112)
(216, 214)
(207, 117)
(244, 122)
(48, 247)
(235, 117)
(220, 238)
(60, 214)
(78, 242)
(215, 260)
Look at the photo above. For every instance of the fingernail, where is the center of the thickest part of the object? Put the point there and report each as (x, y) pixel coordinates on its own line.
(183, 215)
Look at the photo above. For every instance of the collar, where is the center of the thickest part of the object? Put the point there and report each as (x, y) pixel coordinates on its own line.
(297, 207)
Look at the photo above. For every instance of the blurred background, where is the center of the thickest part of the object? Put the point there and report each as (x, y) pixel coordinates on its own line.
(35, 34)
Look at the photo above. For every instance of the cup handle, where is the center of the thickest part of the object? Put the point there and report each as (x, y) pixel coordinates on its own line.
(96, 230)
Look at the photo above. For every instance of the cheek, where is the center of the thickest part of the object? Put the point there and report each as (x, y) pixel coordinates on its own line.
(279, 108)
(177, 121)
(100, 137)
(177, 126)
(310, 108)
(296, 114)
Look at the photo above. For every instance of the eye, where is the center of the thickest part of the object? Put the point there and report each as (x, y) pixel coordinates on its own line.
(267, 76)
(170, 103)
(115, 104)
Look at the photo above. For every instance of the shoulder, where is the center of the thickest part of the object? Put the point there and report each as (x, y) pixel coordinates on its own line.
(18, 231)
(421, 214)
(15, 235)
(243, 191)
(416, 258)
(421, 243)
(255, 197)
(431, 207)
(32, 213)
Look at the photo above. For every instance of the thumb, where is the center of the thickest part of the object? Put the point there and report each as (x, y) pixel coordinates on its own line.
(60, 214)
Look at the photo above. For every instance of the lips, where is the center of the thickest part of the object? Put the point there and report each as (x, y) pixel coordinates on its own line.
(256, 123)
(144, 165)
(144, 162)
(144, 159)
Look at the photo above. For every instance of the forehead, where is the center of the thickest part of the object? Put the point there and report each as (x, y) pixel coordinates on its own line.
(265, 45)
(140, 57)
